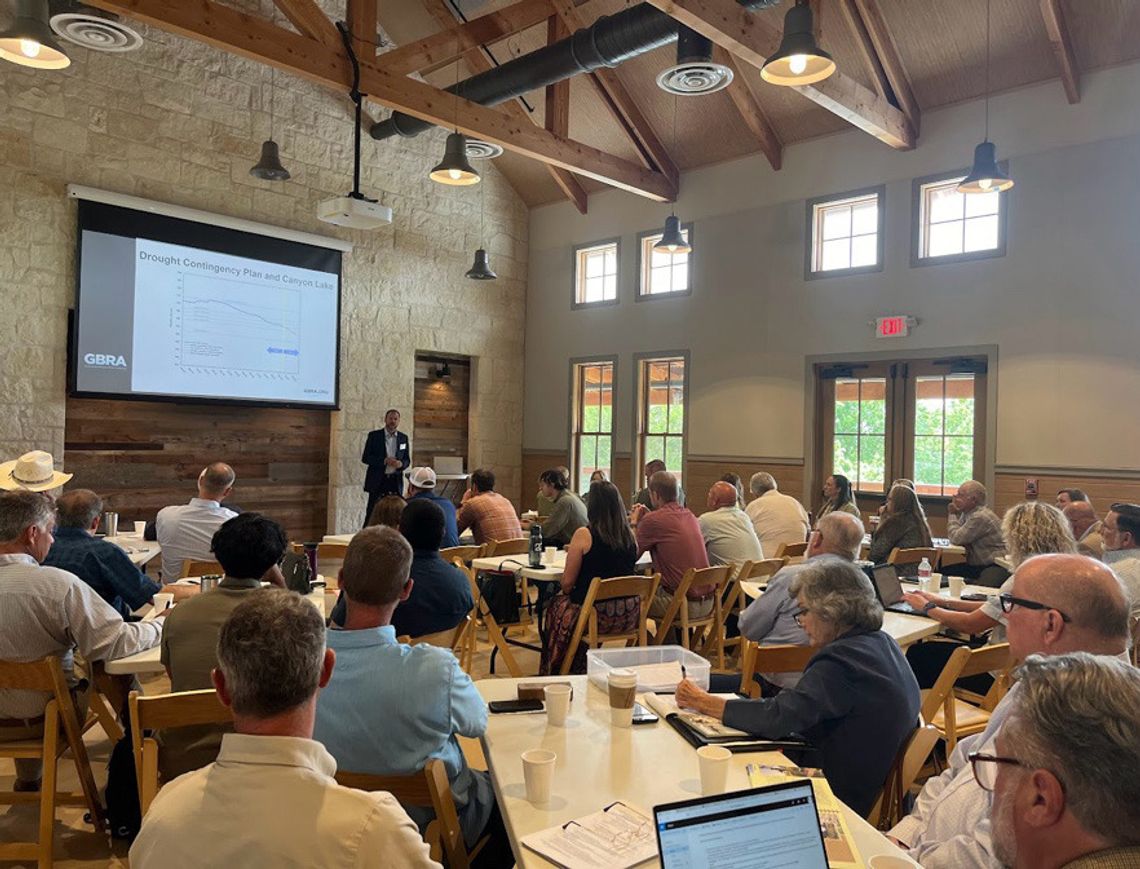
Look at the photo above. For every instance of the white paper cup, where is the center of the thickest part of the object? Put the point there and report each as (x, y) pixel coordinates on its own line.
(557, 704)
(890, 861)
(957, 583)
(162, 601)
(140, 529)
(548, 555)
(538, 771)
(622, 686)
(714, 768)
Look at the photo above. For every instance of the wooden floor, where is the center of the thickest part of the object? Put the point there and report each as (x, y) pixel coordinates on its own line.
(77, 845)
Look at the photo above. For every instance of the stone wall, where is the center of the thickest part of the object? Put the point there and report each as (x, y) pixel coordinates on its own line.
(181, 122)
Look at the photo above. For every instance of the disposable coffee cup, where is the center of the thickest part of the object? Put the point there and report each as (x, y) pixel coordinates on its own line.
(623, 690)
(890, 861)
(162, 601)
(714, 768)
(548, 554)
(538, 771)
(926, 583)
(140, 529)
(557, 704)
(957, 583)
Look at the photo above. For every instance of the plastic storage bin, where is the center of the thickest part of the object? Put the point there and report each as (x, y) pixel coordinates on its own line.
(600, 661)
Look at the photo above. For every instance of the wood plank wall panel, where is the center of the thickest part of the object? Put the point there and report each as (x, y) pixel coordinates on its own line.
(141, 456)
(622, 475)
(440, 415)
(1104, 490)
(702, 472)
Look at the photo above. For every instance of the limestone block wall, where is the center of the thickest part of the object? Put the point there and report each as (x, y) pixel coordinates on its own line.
(181, 122)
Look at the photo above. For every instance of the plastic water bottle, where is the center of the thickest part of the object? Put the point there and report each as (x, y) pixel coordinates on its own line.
(924, 575)
(534, 554)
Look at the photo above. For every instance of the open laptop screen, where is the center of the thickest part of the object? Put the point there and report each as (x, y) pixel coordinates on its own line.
(886, 578)
(771, 826)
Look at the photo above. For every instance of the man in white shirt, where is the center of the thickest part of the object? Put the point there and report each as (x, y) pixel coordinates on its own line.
(1058, 604)
(271, 798)
(184, 532)
(1121, 533)
(777, 518)
(728, 533)
(47, 611)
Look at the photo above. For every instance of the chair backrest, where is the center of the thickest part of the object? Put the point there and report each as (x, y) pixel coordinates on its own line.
(160, 711)
(762, 568)
(331, 550)
(463, 553)
(771, 659)
(792, 550)
(1136, 641)
(717, 577)
(914, 556)
(426, 788)
(642, 587)
(908, 763)
(514, 546)
(193, 567)
(447, 639)
(934, 697)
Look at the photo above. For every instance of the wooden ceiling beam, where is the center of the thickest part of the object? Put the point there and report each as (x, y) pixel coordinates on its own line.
(1058, 30)
(744, 97)
(363, 24)
(263, 41)
(886, 56)
(753, 39)
(557, 94)
(310, 20)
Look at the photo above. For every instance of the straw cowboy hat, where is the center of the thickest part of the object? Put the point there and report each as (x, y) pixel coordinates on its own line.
(32, 472)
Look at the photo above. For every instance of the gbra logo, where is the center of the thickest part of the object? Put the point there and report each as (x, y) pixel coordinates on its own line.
(104, 360)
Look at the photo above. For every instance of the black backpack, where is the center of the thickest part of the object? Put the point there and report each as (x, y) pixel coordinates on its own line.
(298, 572)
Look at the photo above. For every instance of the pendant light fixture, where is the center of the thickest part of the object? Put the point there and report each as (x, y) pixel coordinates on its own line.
(985, 175)
(672, 239)
(29, 40)
(799, 60)
(454, 169)
(269, 167)
(481, 268)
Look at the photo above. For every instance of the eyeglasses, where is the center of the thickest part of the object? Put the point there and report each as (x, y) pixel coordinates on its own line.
(1008, 602)
(799, 617)
(985, 768)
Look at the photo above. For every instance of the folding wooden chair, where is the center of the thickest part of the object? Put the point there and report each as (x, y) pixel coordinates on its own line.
(713, 623)
(165, 711)
(960, 712)
(463, 553)
(514, 546)
(600, 590)
(481, 612)
(770, 659)
(46, 675)
(454, 639)
(428, 788)
(194, 567)
(792, 550)
(1135, 625)
(914, 556)
(912, 757)
(735, 599)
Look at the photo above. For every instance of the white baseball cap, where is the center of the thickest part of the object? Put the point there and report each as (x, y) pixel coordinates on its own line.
(422, 478)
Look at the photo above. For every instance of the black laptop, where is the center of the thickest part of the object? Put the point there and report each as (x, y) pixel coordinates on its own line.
(885, 579)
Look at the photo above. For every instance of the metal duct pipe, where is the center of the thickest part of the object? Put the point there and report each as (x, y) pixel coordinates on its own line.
(608, 42)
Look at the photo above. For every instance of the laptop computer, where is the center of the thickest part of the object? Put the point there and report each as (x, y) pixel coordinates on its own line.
(888, 588)
(776, 825)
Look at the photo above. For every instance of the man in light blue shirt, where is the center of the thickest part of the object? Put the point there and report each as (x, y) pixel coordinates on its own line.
(390, 707)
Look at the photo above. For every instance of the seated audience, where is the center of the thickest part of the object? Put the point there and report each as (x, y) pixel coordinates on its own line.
(771, 619)
(1121, 532)
(488, 514)
(101, 564)
(1065, 497)
(857, 701)
(567, 512)
(248, 547)
(271, 799)
(642, 496)
(903, 526)
(1065, 771)
(778, 518)
(185, 531)
(1058, 604)
(390, 708)
(32, 472)
(727, 530)
(387, 512)
(544, 503)
(421, 485)
(974, 527)
(736, 483)
(605, 548)
(672, 536)
(1029, 528)
(596, 477)
(1086, 528)
(838, 495)
(47, 611)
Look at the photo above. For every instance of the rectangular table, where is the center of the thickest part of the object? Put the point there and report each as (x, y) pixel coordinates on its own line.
(597, 764)
(140, 551)
(551, 571)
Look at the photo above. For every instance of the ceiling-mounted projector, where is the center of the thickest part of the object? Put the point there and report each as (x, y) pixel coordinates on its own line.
(354, 213)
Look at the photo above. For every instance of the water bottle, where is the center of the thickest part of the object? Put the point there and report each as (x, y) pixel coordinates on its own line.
(924, 575)
(535, 552)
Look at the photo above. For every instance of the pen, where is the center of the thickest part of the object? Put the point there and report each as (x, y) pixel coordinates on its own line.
(684, 675)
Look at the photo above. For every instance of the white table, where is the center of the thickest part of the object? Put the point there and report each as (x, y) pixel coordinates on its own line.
(597, 764)
(552, 570)
(140, 551)
(464, 539)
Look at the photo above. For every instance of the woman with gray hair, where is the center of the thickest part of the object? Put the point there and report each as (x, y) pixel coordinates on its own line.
(857, 701)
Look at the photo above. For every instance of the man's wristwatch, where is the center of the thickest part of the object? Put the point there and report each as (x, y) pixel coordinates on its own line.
(929, 606)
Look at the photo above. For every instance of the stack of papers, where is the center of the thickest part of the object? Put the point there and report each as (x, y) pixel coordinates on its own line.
(617, 837)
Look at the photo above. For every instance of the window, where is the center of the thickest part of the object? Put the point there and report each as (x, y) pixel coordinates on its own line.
(861, 431)
(661, 412)
(595, 274)
(663, 274)
(943, 432)
(846, 234)
(953, 226)
(593, 416)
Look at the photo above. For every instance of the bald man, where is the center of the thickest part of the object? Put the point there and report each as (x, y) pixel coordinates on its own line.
(1086, 528)
(974, 527)
(728, 533)
(184, 531)
(1058, 604)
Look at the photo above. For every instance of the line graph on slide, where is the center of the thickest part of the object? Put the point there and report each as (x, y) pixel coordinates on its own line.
(238, 327)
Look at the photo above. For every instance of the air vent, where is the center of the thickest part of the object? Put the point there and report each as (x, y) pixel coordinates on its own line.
(95, 32)
(477, 149)
(697, 77)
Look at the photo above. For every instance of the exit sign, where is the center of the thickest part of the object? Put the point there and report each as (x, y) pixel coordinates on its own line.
(893, 327)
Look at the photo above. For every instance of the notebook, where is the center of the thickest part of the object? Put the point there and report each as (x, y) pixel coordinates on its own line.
(743, 828)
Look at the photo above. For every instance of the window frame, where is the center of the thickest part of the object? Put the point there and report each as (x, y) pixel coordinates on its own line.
(640, 361)
(918, 222)
(880, 192)
(575, 408)
(575, 279)
(641, 295)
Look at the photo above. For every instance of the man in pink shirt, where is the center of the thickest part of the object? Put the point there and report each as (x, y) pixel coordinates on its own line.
(672, 535)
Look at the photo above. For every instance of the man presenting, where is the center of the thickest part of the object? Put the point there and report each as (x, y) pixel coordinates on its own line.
(387, 454)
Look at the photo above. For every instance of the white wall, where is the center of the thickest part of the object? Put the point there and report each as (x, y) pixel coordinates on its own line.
(1061, 306)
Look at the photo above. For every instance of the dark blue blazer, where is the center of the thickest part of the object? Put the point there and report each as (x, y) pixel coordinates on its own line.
(376, 451)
